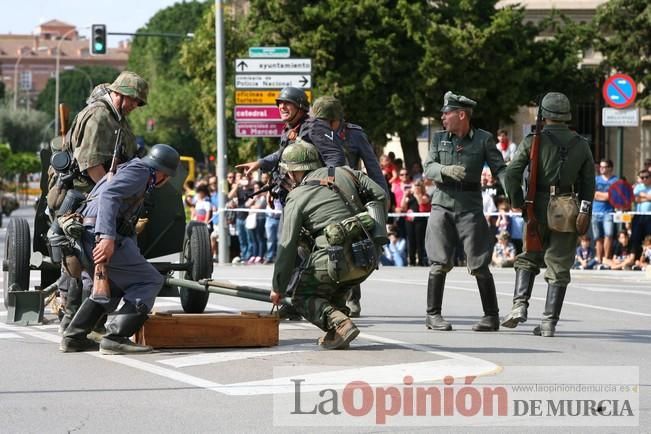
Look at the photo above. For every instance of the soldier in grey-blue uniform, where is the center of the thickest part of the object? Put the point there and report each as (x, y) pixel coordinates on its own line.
(109, 237)
(329, 120)
(455, 162)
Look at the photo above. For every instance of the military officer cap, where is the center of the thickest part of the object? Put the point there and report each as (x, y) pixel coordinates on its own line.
(556, 106)
(452, 101)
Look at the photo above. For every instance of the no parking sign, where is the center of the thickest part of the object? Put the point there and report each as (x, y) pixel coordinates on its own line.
(619, 91)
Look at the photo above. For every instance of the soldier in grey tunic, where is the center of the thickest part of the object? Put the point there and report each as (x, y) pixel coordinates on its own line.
(455, 162)
(566, 167)
(109, 237)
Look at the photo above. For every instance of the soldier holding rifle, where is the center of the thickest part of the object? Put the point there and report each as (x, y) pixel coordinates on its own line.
(455, 162)
(557, 207)
(109, 218)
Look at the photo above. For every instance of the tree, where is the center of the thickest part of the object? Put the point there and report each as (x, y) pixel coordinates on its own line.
(22, 163)
(166, 117)
(623, 29)
(74, 88)
(24, 130)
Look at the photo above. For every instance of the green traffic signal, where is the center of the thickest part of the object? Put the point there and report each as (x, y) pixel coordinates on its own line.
(98, 39)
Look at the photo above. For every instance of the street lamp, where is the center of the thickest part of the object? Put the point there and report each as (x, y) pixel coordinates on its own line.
(56, 79)
(20, 57)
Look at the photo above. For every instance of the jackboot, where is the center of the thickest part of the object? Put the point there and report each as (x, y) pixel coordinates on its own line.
(553, 305)
(521, 294)
(353, 301)
(433, 319)
(72, 303)
(125, 324)
(74, 338)
(490, 322)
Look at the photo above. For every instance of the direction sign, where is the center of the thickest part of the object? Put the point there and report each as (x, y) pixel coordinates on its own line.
(619, 91)
(269, 52)
(257, 113)
(259, 129)
(273, 65)
(261, 81)
(261, 96)
(612, 117)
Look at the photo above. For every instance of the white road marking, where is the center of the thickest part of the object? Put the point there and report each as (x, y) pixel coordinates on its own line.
(9, 335)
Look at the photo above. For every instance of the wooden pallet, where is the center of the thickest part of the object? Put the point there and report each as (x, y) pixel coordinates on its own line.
(209, 330)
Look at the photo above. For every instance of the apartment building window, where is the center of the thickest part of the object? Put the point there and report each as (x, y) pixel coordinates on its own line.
(26, 80)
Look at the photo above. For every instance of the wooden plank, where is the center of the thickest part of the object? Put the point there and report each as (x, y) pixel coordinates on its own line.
(181, 330)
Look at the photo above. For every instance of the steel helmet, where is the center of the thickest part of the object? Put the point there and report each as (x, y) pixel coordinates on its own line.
(131, 84)
(300, 155)
(555, 106)
(294, 95)
(328, 107)
(164, 158)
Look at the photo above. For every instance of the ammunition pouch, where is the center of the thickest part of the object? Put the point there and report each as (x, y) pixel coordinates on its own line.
(562, 212)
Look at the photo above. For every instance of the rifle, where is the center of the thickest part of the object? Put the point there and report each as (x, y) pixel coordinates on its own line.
(116, 154)
(64, 113)
(277, 185)
(532, 241)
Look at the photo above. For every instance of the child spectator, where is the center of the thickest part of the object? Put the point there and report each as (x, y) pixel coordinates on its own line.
(585, 255)
(623, 256)
(395, 251)
(503, 221)
(503, 252)
(202, 210)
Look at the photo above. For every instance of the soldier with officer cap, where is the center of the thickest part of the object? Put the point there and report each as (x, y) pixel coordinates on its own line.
(333, 226)
(565, 176)
(108, 237)
(353, 140)
(455, 161)
(92, 141)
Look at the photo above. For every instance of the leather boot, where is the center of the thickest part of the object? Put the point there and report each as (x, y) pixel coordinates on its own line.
(125, 324)
(521, 294)
(490, 322)
(74, 338)
(353, 301)
(553, 305)
(72, 303)
(435, 286)
(341, 333)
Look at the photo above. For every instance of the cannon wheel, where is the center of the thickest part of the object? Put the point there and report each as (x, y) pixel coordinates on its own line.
(196, 250)
(16, 259)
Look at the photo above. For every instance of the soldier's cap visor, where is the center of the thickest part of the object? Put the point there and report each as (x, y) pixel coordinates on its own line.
(455, 105)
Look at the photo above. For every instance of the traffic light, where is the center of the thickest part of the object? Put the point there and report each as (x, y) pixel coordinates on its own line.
(98, 39)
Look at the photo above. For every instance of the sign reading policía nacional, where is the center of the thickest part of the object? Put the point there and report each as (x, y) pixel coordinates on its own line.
(264, 81)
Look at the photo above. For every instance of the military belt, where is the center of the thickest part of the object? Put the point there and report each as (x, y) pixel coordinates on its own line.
(459, 186)
(89, 221)
(560, 190)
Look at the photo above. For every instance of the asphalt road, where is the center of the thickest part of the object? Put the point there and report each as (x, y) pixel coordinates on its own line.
(603, 339)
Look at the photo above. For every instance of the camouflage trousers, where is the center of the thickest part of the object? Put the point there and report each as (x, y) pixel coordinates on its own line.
(316, 296)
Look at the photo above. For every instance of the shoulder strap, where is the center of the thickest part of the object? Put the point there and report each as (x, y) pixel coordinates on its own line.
(563, 150)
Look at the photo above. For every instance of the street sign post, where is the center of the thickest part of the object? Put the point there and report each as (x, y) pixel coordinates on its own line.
(247, 66)
(263, 97)
(263, 81)
(619, 91)
(259, 129)
(612, 117)
(282, 52)
(257, 113)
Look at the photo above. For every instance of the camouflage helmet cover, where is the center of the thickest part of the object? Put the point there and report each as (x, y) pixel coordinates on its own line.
(328, 107)
(294, 95)
(131, 84)
(300, 155)
(556, 106)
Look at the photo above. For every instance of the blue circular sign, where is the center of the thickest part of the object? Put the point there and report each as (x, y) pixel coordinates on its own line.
(619, 91)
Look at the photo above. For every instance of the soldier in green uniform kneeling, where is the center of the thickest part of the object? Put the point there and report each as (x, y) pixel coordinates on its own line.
(333, 227)
(565, 170)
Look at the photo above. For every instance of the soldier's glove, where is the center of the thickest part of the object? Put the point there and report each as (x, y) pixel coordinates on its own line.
(584, 218)
(140, 225)
(458, 173)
